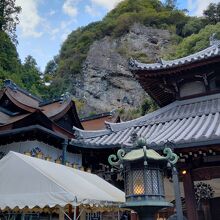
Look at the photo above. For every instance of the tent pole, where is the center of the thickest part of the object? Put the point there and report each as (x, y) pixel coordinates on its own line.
(74, 217)
(80, 214)
(61, 209)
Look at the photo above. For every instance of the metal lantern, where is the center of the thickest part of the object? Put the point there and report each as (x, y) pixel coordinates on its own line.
(143, 182)
(144, 179)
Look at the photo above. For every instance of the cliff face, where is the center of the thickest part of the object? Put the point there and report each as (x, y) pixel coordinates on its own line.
(106, 82)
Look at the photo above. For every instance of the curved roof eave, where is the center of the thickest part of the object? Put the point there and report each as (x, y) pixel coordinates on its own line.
(210, 52)
(53, 125)
(20, 104)
(186, 123)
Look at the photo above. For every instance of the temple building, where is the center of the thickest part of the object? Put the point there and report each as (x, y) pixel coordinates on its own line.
(32, 126)
(97, 122)
(188, 92)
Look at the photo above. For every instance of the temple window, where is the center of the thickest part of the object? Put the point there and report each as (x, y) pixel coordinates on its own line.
(192, 88)
(214, 84)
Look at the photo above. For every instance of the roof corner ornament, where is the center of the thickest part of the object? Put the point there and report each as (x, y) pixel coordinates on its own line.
(113, 112)
(132, 63)
(213, 40)
(77, 133)
(160, 60)
(108, 126)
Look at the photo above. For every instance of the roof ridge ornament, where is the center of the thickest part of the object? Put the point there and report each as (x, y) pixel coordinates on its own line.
(65, 97)
(9, 83)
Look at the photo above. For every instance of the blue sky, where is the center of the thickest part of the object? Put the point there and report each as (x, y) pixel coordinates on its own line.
(45, 24)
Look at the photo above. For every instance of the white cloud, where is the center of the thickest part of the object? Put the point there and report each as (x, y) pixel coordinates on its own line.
(91, 10)
(108, 4)
(52, 12)
(53, 33)
(70, 7)
(65, 35)
(29, 18)
(198, 6)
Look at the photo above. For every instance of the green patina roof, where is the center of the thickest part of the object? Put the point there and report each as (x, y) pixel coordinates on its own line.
(138, 154)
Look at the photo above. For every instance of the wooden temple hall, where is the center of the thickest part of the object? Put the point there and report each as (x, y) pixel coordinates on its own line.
(34, 127)
(187, 90)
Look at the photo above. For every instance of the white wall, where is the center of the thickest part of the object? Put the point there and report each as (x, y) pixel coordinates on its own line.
(47, 150)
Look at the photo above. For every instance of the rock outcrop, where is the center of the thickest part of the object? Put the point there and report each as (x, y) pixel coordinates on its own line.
(106, 82)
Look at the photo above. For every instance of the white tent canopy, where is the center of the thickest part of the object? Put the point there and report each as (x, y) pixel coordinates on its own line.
(29, 182)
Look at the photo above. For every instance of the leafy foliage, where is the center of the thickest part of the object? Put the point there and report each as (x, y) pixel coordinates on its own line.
(193, 26)
(30, 76)
(147, 106)
(10, 65)
(26, 75)
(191, 34)
(212, 13)
(195, 42)
(115, 24)
(8, 55)
(9, 18)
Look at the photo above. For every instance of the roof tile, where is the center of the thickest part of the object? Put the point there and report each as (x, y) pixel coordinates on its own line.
(185, 123)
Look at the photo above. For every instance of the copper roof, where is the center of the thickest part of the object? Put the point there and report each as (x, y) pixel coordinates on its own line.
(6, 119)
(97, 122)
(53, 109)
(19, 108)
(21, 98)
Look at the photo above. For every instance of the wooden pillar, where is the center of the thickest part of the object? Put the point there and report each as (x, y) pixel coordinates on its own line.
(134, 215)
(190, 199)
(70, 211)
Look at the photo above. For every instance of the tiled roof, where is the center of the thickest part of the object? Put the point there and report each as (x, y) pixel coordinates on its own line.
(212, 51)
(192, 122)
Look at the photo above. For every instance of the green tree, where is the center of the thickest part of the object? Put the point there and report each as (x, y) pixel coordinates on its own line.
(30, 76)
(212, 13)
(9, 60)
(195, 42)
(148, 106)
(193, 26)
(170, 4)
(9, 18)
(51, 67)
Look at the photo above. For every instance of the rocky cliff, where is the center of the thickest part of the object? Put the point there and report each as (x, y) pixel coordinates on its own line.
(106, 82)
